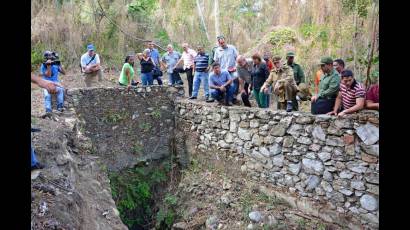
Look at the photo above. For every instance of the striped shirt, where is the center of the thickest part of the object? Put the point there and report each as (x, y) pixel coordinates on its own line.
(188, 58)
(201, 62)
(349, 95)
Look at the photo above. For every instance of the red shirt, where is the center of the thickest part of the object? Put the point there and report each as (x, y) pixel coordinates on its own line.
(349, 95)
(270, 65)
(373, 94)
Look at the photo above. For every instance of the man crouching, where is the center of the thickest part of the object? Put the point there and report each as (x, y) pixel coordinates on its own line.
(220, 84)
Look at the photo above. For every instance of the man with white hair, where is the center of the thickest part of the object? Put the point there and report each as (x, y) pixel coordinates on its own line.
(188, 56)
(244, 69)
(168, 62)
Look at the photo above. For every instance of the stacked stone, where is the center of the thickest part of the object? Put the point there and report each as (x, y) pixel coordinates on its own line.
(324, 158)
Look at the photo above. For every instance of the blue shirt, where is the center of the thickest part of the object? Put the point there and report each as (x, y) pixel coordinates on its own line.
(226, 57)
(219, 80)
(171, 60)
(201, 62)
(155, 56)
(54, 73)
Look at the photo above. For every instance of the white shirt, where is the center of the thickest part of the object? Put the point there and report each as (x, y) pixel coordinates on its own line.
(86, 58)
(188, 58)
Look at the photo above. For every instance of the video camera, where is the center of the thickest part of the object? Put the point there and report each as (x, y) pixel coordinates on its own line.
(53, 56)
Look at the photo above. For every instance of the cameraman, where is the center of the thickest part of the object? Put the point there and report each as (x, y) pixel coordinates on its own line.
(90, 66)
(49, 71)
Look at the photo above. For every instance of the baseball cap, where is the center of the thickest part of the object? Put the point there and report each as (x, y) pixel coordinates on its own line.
(326, 60)
(90, 47)
(347, 73)
(220, 37)
(290, 54)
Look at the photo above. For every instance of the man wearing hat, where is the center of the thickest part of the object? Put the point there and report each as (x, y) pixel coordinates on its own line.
(90, 66)
(281, 77)
(324, 101)
(297, 72)
(351, 96)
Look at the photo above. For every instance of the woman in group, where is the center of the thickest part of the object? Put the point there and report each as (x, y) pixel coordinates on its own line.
(259, 74)
(147, 65)
(127, 72)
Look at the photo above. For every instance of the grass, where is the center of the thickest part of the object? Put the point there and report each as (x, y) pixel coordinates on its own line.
(114, 117)
(145, 126)
(137, 148)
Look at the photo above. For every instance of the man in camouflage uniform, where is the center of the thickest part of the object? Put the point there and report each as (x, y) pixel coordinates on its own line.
(298, 74)
(281, 77)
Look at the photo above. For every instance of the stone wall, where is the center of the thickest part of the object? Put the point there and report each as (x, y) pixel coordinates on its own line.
(125, 127)
(333, 163)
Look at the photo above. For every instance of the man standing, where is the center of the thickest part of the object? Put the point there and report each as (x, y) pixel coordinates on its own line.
(201, 68)
(49, 71)
(90, 66)
(169, 61)
(298, 74)
(226, 56)
(187, 57)
(351, 95)
(220, 84)
(244, 72)
(339, 65)
(154, 54)
(324, 101)
(282, 78)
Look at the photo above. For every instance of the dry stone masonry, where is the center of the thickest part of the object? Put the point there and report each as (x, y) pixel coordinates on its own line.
(329, 161)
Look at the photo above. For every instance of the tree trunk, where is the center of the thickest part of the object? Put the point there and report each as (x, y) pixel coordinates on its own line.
(216, 13)
(370, 57)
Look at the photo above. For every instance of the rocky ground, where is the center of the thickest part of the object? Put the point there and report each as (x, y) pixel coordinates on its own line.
(212, 195)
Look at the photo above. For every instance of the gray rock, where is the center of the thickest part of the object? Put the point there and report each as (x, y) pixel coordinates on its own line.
(264, 128)
(372, 178)
(180, 226)
(343, 123)
(234, 117)
(345, 174)
(368, 202)
(275, 149)
(312, 182)
(255, 216)
(304, 140)
(264, 114)
(337, 197)
(313, 165)
(371, 218)
(256, 140)
(326, 186)
(323, 117)
(368, 133)
(346, 192)
(295, 168)
(314, 147)
(327, 176)
(358, 185)
(229, 138)
(216, 117)
(233, 126)
(278, 130)
(305, 120)
(334, 141)
(264, 151)
(373, 189)
(356, 167)
(295, 129)
(269, 140)
(212, 222)
(289, 181)
(288, 141)
(318, 133)
(254, 124)
(333, 130)
(223, 144)
(310, 155)
(324, 156)
(278, 160)
(244, 134)
(244, 124)
(225, 199)
(370, 149)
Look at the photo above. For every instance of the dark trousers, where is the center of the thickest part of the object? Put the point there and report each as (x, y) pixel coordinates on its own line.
(227, 95)
(322, 106)
(245, 96)
(158, 78)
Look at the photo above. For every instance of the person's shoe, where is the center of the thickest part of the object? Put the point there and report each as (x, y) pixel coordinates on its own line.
(47, 115)
(192, 98)
(60, 110)
(209, 100)
(289, 106)
(37, 166)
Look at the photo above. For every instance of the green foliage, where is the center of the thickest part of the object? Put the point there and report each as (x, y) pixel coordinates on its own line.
(37, 55)
(281, 37)
(170, 200)
(145, 126)
(137, 148)
(156, 114)
(350, 6)
(114, 117)
(141, 8)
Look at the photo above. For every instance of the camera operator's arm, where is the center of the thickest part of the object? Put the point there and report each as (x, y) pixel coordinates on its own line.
(48, 85)
(61, 69)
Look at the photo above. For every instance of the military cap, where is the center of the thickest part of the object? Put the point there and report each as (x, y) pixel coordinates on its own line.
(220, 37)
(276, 58)
(290, 54)
(326, 60)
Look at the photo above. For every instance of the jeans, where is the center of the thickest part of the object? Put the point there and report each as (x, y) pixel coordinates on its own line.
(146, 78)
(227, 95)
(158, 78)
(48, 98)
(33, 157)
(261, 98)
(174, 78)
(245, 96)
(201, 76)
(322, 106)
